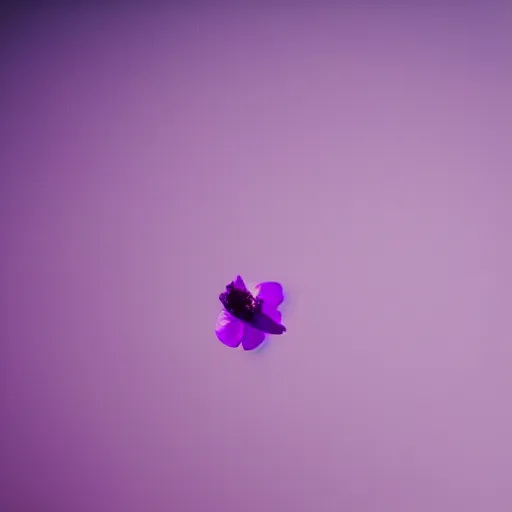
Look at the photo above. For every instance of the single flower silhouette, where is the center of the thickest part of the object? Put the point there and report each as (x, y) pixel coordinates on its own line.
(249, 314)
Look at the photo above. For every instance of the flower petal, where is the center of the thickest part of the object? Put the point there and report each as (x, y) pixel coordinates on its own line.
(273, 313)
(252, 338)
(271, 293)
(229, 329)
(266, 323)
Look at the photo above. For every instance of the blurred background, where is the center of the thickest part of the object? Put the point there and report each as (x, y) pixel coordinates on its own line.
(360, 155)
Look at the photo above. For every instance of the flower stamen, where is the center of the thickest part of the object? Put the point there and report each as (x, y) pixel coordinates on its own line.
(240, 303)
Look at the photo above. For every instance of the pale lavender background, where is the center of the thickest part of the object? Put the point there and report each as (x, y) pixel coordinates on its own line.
(360, 156)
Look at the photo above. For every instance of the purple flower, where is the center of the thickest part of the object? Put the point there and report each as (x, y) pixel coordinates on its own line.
(249, 314)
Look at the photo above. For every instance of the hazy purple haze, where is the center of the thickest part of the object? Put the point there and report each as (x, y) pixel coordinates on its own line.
(361, 157)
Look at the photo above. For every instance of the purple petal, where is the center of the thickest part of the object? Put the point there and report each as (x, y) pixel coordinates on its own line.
(274, 314)
(229, 329)
(239, 283)
(252, 338)
(266, 324)
(270, 293)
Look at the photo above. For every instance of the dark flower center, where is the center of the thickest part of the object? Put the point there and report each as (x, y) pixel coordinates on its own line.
(240, 303)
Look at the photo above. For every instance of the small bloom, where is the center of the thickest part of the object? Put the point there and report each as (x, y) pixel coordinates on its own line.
(249, 314)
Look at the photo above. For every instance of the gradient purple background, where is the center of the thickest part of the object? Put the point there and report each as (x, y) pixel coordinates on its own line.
(362, 157)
